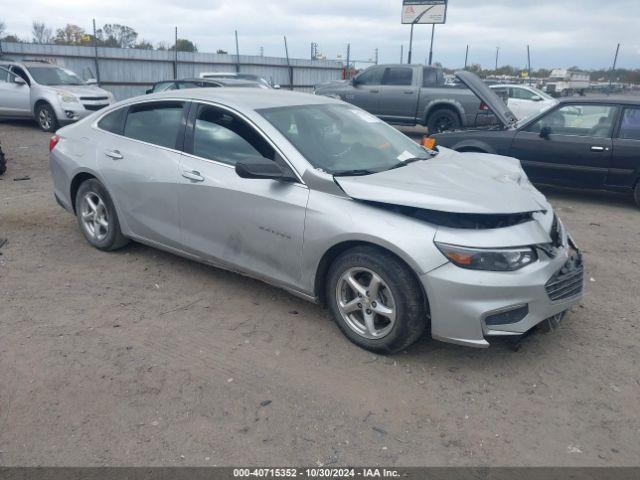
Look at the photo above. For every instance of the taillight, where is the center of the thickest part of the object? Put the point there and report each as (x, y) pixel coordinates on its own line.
(53, 142)
(484, 106)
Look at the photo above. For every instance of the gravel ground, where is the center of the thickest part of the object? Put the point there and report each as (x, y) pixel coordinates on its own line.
(139, 357)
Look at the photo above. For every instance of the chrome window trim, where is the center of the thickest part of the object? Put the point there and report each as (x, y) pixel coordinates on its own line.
(277, 149)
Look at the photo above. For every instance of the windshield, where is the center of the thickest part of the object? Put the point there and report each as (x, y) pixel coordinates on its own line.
(341, 139)
(54, 76)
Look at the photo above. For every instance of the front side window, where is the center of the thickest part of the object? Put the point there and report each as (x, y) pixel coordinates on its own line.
(398, 76)
(522, 94)
(221, 136)
(372, 76)
(6, 76)
(339, 139)
(54, 76)
(156, 122)
(581, 120)
(164, 86)
(113, 122)
(630, 125)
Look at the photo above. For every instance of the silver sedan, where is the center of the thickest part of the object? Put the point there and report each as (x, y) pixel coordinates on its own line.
(328, 202)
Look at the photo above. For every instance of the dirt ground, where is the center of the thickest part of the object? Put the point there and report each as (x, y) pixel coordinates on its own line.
(140, 357)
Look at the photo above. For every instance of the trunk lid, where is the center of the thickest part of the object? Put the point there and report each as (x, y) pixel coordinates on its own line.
(488, 96)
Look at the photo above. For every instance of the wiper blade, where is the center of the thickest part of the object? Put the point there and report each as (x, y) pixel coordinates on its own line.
(354, 173)
(406, 162)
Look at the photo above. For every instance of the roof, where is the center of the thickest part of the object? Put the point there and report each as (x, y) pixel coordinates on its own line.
(618, 99)
(246, 98)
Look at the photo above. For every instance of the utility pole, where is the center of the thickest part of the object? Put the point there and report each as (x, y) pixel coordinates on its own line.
(286, 50)
(497, 55)
(95, 52)
(401, 54)
(376, 56)
(348, 71)
(613, 70)
(237, 53)
(175, 54)
(466, 57)
(433, 32)
(529, 64)
(410, 45)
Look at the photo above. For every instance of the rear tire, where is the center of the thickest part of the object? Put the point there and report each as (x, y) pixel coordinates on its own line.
(97, 216)
(46, 118)
(390, 314)
(442, 120)
(636, 194)
(3, 162)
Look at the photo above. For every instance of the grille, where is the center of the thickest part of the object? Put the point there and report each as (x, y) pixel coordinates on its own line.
(567, 283)
(94, 98)
(93, 108)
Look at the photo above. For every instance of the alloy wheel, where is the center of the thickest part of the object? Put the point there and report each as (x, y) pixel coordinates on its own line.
(44, 116)
(94, 215)
(366, 303)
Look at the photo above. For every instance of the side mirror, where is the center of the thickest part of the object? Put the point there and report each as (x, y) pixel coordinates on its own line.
(277, 86)
(545, 132)
(19, 80)
(260, 167)
(536, 98)
(92, 81)
(354, 82)
(148, 91)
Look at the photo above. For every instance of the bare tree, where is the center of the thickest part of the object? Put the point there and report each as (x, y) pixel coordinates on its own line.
(116, 35)
(41, 33)
(2, 28)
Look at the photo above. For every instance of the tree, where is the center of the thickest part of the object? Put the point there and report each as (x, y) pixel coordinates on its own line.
(143, 45)
(222, 52)
(41, 33)
(2, 28)
(116, 35)
(70, 35)
(162, 46)
(185, 45)
(12, 38)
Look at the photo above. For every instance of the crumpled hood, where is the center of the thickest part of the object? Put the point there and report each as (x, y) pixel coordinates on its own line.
(453, 182)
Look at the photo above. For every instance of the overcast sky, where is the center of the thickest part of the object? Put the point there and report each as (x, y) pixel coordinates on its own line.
(560, 32)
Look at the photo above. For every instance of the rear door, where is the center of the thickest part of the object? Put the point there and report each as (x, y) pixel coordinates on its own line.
(577, 151)
(398, 95)
(15, 98)
(625, 162)
(254, 225)
(139, 160)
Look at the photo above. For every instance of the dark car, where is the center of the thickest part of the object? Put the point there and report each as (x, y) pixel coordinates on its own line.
(201, 83)
(582, 142)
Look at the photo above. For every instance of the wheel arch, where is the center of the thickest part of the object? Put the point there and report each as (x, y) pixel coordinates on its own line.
(336, 250)
(455, 107)
(78, 180)
(473, 146)
(42, 101)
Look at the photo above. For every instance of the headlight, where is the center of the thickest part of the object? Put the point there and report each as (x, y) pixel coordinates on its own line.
(67, 97)
(497, 260)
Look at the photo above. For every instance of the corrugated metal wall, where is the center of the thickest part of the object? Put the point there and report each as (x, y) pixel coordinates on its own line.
(129, 72)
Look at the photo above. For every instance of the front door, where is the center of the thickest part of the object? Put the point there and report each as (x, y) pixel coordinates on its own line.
(398, 95)
(141, 168)
(570, 145)
(253, 225)
(15, 100)
(365, 92)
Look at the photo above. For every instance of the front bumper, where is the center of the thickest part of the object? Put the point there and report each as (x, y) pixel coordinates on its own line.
(72, 112)
(461, 301)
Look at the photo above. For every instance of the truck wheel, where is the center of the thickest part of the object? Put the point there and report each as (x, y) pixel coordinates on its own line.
(3, 162)
(443, 119)
(376, 300)
(46, 117)
(636, 194)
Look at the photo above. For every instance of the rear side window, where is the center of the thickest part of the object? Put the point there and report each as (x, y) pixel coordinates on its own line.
(221, 136)
(430, 78)
(113, 122)
(630, 126)
(157, 123)
(398, 76)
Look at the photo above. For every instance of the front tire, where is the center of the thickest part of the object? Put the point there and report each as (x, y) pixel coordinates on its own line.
(97, 217)
(442, 120)
(636, 194)
(376, 300)
(46, 118)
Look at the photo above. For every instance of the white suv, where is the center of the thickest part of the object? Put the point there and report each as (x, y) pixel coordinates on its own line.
(52, 95)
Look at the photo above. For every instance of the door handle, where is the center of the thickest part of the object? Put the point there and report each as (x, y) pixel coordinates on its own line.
(408, 92)
(114, 154)
(374, 91)
(193, 175)
(597, 148)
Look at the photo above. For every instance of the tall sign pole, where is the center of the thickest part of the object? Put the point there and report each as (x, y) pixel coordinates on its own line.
(95, 53)
(433, 32)
(529, 63)
(466, 57)
(613, 70)
(410, 44)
